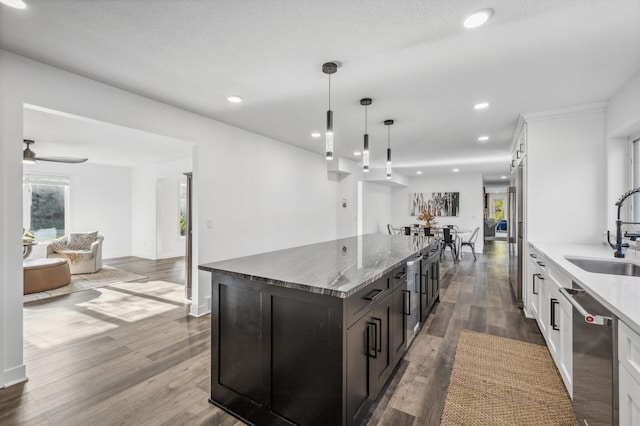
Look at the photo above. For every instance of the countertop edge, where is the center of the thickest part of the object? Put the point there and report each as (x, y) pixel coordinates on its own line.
(587, 279)
(305, 287)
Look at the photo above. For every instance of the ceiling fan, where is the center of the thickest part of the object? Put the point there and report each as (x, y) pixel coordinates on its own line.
(29, 157)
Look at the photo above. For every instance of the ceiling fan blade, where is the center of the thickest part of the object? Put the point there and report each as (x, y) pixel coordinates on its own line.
(62, 159)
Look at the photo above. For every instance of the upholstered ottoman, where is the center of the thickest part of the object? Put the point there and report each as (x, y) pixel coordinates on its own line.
(45, 274)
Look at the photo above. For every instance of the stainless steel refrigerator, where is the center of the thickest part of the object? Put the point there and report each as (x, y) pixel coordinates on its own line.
(515, 226)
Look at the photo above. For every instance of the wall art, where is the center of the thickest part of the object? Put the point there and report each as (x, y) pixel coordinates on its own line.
(442, 204)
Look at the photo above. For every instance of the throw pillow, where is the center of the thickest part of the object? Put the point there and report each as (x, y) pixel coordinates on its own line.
(81, 240)
(59, 244)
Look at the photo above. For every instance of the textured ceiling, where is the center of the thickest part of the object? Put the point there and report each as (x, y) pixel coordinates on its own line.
(414, 58)
(103, 143)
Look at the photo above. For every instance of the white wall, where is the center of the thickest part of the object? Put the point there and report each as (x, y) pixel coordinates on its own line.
(471, 201)
(376, 208)
(154, 207)
(566, 177)
(169, 241)
(12, 369)
(99, 200)
(623, 121)
(258, 193)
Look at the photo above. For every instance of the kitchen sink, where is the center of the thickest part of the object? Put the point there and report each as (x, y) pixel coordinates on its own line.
(607, 267)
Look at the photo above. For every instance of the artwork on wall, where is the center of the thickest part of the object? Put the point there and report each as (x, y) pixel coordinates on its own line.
(441, 204)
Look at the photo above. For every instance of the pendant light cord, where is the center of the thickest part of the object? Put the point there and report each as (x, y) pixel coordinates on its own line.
(365, 118)
(389, 137)
(329, 91)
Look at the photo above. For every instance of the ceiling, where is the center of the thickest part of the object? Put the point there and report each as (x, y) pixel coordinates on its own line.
(413, 57)
(66, 135)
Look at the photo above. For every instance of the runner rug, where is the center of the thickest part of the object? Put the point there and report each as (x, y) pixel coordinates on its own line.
(498, 381)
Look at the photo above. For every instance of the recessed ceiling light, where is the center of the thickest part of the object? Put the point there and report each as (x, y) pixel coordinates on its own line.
(503, 177)
(456, 170)
(481, 105)
(18, 4)
(234, 99)
(357, 153)
(478, 18)
(418, 172)
(315, 135)
(483, 138)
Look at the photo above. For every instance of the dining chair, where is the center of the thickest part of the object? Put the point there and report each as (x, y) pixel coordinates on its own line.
(393, 231)
(471, 242)
(449, 238)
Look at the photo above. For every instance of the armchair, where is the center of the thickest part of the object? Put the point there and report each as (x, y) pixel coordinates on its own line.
(80, 261)
(490, 227)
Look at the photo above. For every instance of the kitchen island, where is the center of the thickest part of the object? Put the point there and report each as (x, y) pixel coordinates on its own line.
(310, 335)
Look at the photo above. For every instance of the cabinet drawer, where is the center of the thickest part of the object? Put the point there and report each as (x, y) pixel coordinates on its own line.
(359, 303)
(399, 276)
(629, 350)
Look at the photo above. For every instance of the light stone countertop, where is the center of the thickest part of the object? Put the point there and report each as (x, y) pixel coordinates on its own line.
(620, 294)
(336, 268)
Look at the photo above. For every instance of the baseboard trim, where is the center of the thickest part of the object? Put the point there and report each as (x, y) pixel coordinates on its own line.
(199, 310)
(15, 375)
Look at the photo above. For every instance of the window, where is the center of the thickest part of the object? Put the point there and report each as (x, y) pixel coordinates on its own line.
(45, 205)
(183, 209)
(498, 209)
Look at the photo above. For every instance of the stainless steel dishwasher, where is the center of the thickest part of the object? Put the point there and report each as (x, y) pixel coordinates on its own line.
(595, 370)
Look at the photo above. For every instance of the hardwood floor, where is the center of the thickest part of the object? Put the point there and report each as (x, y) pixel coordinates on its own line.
(473, 295)
(130, 355)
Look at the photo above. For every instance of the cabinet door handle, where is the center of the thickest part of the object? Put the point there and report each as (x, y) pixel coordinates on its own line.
(379, 327)
(539, 262)
(534, 284)
(373, 354)
(423, 290)
(374, 294)
(533, 255)
(554, 302)
(407, 302)
(416, 283)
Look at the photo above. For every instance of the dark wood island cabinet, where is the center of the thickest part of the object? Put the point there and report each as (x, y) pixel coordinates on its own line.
(310, 335)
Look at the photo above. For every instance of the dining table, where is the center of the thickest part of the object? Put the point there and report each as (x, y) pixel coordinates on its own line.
(458, 234)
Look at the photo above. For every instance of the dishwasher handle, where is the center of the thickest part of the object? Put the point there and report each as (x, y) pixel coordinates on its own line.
(589, 318)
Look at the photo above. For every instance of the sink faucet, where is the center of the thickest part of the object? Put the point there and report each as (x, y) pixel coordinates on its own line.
(619, 245)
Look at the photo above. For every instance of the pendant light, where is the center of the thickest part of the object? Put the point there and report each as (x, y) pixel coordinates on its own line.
(388, 123)
(329, 68)
(365, 152)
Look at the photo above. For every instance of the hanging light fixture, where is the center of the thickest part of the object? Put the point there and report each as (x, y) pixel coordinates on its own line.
(365, 152)
(329, 68)
(388, 123)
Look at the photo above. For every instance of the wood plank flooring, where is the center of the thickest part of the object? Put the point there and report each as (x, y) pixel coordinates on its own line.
(130, 355)
(473, 295)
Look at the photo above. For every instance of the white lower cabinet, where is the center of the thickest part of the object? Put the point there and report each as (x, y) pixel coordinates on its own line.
(559, 331)
(629, 398)
(537, 289)
(553, 313)
(532, 286)
(629, 375)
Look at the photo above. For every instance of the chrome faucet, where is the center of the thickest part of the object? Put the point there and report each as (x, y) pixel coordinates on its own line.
(619, 245)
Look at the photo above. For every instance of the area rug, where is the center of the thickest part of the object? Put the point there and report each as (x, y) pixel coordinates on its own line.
(108, 275)
(498, 381)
